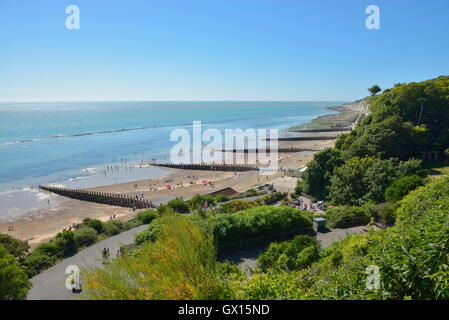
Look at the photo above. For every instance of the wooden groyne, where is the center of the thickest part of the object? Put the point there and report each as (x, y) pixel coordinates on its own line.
(208, 166)
(307, 138)
(112, 199)
(342, 129)
(279, 150)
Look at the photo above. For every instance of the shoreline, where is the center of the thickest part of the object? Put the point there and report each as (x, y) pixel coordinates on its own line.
(347, 115)
(43, 224)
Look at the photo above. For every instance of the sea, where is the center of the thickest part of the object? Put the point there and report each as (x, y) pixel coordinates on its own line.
(75, 144)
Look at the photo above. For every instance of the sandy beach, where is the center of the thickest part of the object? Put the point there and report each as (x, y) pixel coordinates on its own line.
(42, 225)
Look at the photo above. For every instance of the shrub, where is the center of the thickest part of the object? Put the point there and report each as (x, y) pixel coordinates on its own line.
(16, 247)
(385, 211)
(66, 242)
(198, 201)
(297, 253)
(147, 216)
(402, 186)
(344, 216)
(96, 224)
(110, 229)
(14, 283)
(180, 264)
(38, 260)
(85, 236)
(259, 221)
(178, 205)
(221, 198)
(149, 234)
(119, 224)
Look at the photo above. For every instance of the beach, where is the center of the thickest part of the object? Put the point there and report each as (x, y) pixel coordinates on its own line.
(44, 223)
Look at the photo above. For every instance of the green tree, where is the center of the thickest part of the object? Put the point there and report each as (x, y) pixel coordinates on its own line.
(401, 187)
(85, 236)
(95, 224)
(316, 178)
(17, 248)
(14, 283)
(374, 90)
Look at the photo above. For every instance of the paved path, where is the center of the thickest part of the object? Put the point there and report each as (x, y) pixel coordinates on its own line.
(247, 259)
(50, 284)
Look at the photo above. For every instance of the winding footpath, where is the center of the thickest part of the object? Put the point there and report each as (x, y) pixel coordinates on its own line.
(50, 284)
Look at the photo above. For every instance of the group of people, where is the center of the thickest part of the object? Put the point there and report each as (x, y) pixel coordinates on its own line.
(106, 254)
(302, 205)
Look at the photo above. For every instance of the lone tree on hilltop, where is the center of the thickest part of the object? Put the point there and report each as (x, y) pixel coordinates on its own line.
(374, 89)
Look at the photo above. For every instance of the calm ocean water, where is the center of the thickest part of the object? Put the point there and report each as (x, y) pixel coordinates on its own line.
(72, 143)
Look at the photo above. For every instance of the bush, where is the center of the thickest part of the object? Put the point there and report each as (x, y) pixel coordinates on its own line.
(148, 234)
(85, 236)
(180, 264)
(402, 186)
(119, 224)
(178, 205)
(96, 224)
(14, 283)
(198, 201)
(147, 216)
(221, 198)
(110, 229)
(41, 258)
(385, 211)
(344, 216)
(259, 221)
(298, 253)
(16, 247)
(66, 242)
(274, 197)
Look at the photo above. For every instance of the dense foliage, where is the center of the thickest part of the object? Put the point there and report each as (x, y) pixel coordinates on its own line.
(257, 222)
(411, 257)
(344, 216)
(244, 225)
(14, 282)
(179, 264)
(401, 187)
(238, 205)
(403, 122)
(360, 180)
(16, 247)
(295, 254)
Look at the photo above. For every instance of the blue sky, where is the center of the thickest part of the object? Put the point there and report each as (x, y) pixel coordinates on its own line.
(217, 49)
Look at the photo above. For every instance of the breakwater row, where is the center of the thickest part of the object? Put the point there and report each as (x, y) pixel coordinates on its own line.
(335, 129)
(268, 150)
(306, 138)
(208, 166)
(112, 199)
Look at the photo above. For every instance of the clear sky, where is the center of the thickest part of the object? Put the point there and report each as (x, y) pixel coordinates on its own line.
(217, 49)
